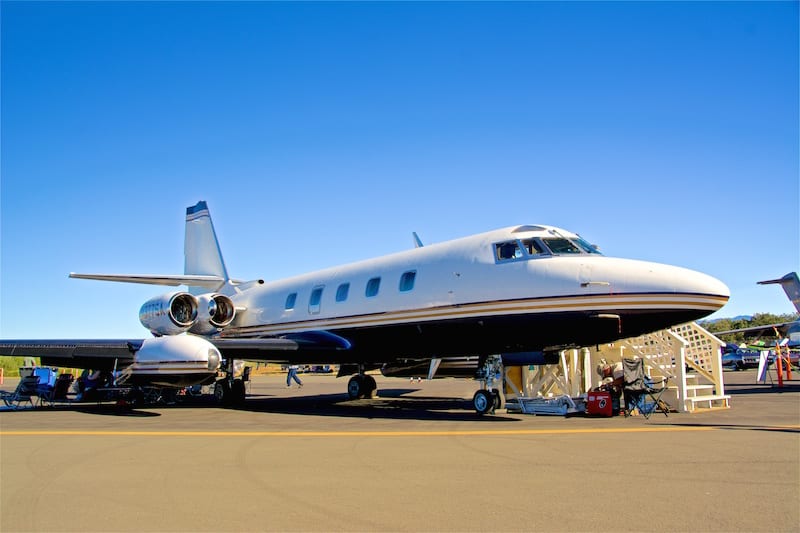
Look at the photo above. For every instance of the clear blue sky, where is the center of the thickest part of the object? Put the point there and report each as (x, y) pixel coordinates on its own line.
(661, 131)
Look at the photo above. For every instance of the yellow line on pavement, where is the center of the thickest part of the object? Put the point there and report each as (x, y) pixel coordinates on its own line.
(432, 433)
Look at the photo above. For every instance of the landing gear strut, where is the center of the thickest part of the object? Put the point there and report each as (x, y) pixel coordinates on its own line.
(489, 397)
(229, 390)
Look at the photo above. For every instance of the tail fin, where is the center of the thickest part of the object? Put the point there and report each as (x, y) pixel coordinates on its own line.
(204, 268)
(791, 286)
(201, 250)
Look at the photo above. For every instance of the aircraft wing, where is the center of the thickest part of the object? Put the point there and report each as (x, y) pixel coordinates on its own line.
(118, 353)
(72, 353)
(756, 331)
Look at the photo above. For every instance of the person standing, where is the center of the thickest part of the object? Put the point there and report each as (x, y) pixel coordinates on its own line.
(292, 375)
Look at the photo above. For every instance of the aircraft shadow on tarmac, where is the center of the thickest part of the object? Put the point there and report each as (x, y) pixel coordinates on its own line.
(115, 410)
(390, 404)
(743, 427)
(762, 389)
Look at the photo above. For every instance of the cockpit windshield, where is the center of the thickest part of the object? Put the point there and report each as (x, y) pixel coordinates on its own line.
(586, 246)
(560, 245)
(524, 249)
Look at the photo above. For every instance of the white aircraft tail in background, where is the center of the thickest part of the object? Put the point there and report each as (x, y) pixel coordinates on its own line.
(791, 286)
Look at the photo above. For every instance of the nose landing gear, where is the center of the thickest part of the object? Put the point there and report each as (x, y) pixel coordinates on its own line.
(489, 397)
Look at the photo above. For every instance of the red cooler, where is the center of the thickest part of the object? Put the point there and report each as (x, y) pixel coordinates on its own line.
(599, 404)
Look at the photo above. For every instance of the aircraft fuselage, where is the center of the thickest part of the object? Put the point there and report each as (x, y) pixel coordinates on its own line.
(496, 292)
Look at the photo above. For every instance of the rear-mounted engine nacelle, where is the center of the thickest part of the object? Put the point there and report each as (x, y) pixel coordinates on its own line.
(214, 312)
(169, 314)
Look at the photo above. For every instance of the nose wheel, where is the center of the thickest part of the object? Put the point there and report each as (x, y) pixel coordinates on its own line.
(486, 401)
(483, 401)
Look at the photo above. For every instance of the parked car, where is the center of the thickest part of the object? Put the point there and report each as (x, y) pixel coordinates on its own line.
(742, 359)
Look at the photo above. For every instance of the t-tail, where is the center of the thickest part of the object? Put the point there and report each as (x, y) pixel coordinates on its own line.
(791, 286)
(206, 307)
(204, 269)
(202, 255)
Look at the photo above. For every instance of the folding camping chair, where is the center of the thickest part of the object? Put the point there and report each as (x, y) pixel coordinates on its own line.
(24, 393)
(639, 390)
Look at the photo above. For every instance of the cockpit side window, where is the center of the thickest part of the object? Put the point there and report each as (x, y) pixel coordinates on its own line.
(507, 251)
(534, 247)
(560, 245)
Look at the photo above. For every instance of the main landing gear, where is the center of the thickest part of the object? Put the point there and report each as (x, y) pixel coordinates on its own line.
(361, 386)
(489, 397)
(230, 390)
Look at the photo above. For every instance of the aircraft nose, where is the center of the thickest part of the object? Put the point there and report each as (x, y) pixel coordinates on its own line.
(695, 282)
(678, 280)
(644, 277)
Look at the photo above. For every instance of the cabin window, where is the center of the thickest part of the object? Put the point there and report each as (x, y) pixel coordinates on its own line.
(342, 291)
(559, 245)
(290, 301)
(407, 280)
(373, 286)
(507, 251)
(314, 301)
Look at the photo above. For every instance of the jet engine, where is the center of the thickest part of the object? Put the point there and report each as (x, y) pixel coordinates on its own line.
(169, 314)
(179, 312)
(214, 312)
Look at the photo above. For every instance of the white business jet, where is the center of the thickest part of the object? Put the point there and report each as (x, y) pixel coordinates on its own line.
(518, 295)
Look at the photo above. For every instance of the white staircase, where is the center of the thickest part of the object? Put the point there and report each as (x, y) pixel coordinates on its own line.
(687, 356)
(702, 385)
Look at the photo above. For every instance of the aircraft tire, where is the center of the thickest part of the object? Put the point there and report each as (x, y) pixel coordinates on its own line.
(135, 397)
(355, 387)
(222, 392)
(498, 399)
(369, 387)
(237, 393)
(483, 401)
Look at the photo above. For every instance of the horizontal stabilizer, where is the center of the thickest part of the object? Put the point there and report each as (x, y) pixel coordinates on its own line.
(791, 286)
(210, 282)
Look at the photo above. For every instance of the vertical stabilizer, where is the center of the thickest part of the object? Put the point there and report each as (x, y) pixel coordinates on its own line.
(201, 248)
(791, 286)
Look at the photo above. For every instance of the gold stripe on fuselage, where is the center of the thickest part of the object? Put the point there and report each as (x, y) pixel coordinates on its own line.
(603, 302)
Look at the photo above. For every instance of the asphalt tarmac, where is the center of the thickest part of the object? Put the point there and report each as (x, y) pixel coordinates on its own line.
(415, 459)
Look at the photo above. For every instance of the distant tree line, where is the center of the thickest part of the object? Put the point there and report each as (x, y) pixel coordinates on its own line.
(759, 319)
(10, 365)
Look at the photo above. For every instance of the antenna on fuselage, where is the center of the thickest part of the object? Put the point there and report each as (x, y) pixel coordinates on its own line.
(417, 242)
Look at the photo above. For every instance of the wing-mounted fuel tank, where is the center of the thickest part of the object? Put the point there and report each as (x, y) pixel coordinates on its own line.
(178, 312)
(173, 361)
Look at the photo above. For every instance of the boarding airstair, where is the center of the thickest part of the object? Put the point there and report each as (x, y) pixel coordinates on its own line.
(687, 357)
(701, 376)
